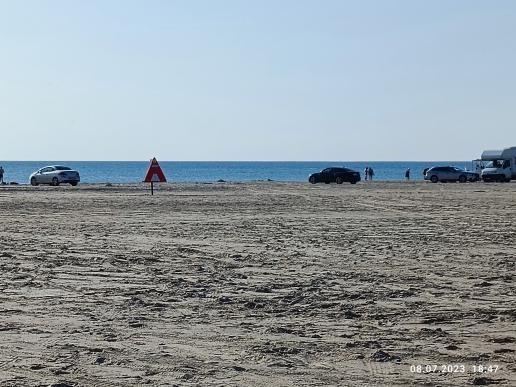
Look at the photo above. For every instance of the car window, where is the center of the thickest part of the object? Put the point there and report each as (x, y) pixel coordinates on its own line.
(327, 170)
(47, 169)
(61, 168)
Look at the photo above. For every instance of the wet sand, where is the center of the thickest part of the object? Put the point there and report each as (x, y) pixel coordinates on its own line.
(257, 284)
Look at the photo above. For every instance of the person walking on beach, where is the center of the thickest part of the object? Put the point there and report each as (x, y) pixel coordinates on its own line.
(407, 174)
(366, 173)
(1, 175)
(371, 174)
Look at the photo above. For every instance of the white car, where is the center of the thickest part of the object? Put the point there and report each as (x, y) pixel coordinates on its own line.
(55, 175)
(449, 173)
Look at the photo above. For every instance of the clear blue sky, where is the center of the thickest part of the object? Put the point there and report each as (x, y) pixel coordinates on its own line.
(256, 80)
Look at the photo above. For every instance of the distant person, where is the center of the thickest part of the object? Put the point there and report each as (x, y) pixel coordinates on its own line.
(407, 174)
(371, 173)
(366, 173)
(1, 175)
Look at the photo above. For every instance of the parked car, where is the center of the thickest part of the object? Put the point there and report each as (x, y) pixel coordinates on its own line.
(338, 175)
(55, 175)
(449, 173)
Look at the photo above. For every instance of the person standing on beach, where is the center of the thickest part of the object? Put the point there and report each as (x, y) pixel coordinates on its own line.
(407, 174)
(366, 173)
(1, 175)
(371, 174)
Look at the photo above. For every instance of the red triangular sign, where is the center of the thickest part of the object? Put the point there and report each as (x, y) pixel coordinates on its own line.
(154, 173)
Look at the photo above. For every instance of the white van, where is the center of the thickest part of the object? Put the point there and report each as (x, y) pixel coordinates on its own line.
(501, 164)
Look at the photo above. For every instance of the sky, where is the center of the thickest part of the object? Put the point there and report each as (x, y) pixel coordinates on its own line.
(256, 80)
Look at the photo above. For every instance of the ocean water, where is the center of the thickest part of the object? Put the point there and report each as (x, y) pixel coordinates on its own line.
(209, 171)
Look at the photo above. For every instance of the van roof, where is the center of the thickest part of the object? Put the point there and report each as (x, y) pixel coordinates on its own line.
(491, 154)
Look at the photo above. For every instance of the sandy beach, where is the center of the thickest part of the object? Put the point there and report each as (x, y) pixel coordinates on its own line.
(258, 284)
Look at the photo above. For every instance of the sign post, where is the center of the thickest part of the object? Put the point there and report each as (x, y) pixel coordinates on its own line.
(154, 174)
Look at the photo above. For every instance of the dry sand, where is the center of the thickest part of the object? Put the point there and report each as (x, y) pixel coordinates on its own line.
(257, 284)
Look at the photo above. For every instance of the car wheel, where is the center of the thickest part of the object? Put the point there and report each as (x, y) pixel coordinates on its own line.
(33, 181)
(434, 179)
(462, 179)
(353, 181)
(74, 184)
(507, 180)
(312, 180)
(339, 180)
(55, 181)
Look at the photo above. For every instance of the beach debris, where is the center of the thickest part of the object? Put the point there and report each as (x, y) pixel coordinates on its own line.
(349, 314)
(135, 324)
(100, 360)
(225, 300)
(382, 356)
(483, 381)
(483, 284)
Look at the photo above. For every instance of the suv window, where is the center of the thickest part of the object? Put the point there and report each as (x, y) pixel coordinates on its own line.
(327, 170)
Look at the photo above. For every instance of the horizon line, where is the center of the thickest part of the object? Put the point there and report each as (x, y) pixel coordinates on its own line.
(243, 161)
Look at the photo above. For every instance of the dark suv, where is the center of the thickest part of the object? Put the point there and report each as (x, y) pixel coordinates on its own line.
(338, 175)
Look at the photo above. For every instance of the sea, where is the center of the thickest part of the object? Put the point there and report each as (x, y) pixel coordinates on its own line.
(211, 171)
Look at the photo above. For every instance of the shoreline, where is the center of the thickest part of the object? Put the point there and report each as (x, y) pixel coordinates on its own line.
(270, 181)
